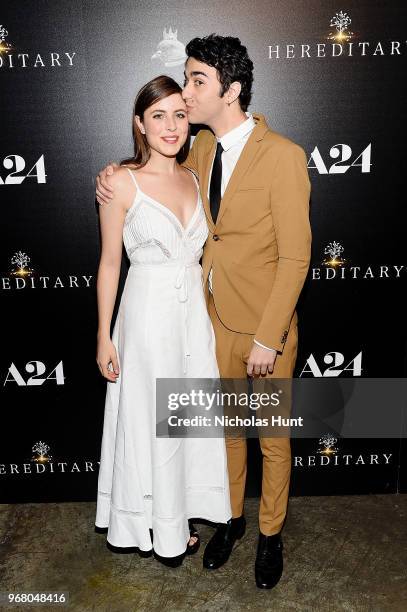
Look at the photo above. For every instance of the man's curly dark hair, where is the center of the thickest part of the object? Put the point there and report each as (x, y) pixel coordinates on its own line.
(231, 60)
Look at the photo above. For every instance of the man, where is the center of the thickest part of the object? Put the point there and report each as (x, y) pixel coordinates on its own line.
(255, 188)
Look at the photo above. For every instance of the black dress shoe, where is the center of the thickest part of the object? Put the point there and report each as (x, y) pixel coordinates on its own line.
(269, 561)
(219, 547)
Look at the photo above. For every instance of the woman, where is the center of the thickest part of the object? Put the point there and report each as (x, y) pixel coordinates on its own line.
(162, 330)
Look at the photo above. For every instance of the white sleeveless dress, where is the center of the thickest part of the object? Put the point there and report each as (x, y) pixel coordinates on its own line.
(162, 330)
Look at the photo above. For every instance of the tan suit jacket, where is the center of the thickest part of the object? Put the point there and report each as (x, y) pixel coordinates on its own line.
(259, 248)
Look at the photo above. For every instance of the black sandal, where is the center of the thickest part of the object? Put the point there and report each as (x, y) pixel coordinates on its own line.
(193, 533)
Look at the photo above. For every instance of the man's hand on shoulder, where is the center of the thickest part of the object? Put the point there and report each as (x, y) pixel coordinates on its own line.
(104, 191)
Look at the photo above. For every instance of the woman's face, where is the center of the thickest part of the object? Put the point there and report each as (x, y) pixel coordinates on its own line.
(165, 124)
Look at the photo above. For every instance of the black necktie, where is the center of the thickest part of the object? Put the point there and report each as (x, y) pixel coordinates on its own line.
(216, 182)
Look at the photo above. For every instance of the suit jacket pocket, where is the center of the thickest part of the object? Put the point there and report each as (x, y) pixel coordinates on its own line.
(250, 188)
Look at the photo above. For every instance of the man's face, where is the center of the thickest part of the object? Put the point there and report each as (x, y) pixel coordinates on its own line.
(202, 92)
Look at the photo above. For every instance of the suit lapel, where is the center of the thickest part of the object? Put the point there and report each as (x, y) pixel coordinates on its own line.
(246, 160)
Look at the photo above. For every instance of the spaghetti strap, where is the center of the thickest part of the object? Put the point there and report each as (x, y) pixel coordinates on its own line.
(195, 178)
(133, 177)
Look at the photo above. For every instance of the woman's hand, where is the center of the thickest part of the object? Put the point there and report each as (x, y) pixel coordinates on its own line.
(105, 355)
(104, 192)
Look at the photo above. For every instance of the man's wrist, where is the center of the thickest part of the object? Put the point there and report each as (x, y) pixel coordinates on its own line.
(268, 348)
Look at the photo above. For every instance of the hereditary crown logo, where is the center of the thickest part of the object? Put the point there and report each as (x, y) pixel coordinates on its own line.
(3, 33)
(341, 43)
(22, 276)
(327, 445)
(341, 21)
(335, 266)
(4, 46)
(20, 261)
(334, 250)
(40, 450)
(10, 58)
(170, 50)
(329, 455)
(43, 463)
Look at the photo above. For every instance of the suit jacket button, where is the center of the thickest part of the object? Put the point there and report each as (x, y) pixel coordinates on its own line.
(215, 237)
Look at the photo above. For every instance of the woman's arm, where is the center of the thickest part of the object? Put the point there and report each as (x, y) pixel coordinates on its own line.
(111, 225)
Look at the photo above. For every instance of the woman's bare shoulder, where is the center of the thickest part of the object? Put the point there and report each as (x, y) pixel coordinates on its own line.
(121, 180)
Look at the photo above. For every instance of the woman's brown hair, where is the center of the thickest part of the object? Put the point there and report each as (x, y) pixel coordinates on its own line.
(157, 89)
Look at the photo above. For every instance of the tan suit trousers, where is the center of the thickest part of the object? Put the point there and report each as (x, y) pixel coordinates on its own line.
(232, 351)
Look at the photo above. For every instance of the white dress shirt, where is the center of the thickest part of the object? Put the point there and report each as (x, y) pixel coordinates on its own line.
(232, 144)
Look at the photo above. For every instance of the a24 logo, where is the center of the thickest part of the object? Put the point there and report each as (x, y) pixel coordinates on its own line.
(38, 377)
(17, 163)
(343, 153)
(335, 362)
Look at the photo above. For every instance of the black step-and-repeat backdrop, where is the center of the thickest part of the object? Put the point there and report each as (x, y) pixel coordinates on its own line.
(328, 75)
